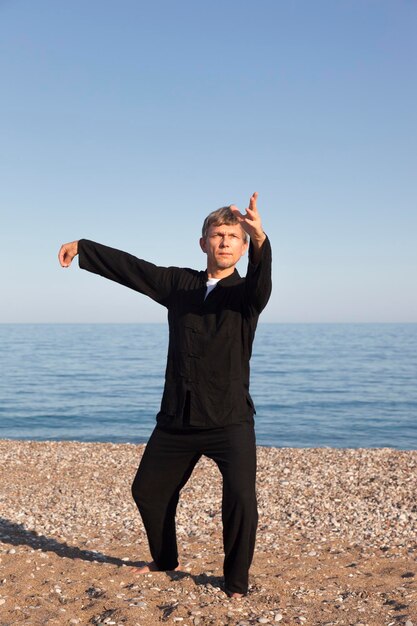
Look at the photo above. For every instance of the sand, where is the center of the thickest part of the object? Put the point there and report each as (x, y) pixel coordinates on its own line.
(336, 542)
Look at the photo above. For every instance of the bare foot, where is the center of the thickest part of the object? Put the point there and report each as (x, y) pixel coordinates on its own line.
(234, 594)
(151, 567)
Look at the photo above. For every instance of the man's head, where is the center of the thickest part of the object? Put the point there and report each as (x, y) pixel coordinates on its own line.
(224, 241)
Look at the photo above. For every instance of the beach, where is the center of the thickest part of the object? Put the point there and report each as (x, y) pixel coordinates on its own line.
(336, 541)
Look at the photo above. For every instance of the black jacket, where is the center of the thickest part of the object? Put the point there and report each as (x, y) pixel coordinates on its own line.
(210, 340)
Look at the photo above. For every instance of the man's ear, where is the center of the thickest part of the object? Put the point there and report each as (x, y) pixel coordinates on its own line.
(203, 245)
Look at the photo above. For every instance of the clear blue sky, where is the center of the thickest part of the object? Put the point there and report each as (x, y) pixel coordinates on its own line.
(127, 122)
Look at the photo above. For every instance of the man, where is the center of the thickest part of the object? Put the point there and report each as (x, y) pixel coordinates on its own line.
(206, 407)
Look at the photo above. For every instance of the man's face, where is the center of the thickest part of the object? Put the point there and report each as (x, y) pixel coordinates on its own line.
(224, 246)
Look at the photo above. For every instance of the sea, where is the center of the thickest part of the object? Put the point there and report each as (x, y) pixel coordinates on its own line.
(314, 385)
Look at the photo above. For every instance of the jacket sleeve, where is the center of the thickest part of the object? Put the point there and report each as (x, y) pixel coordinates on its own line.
(258, 278)
(121, 267)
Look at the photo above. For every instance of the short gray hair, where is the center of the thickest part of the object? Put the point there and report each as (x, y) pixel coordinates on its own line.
(224, 215)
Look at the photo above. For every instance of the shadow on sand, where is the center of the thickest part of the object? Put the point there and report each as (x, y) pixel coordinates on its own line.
(17, 535)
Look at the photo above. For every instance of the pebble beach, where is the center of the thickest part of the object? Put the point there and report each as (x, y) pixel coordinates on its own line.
(336, 541)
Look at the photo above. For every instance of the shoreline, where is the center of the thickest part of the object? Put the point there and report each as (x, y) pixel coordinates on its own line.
(336, 541)
(143, 443)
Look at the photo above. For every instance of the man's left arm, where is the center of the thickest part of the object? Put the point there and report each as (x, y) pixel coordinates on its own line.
(258, 278)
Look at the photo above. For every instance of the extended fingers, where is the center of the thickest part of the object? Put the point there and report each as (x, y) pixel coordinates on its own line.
(251, 216)
(236, 212)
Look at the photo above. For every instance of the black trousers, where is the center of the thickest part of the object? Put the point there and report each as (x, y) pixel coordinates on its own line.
(167, 463)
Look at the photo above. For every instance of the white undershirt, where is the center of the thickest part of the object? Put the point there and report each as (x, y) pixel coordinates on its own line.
(211, 283)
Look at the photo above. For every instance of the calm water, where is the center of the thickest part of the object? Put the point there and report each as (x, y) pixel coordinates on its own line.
(335, 385)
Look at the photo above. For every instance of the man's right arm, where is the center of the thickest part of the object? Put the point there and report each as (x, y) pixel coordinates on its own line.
(156, 282)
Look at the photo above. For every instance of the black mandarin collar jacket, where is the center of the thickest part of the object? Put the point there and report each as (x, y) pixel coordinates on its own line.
(210, 340)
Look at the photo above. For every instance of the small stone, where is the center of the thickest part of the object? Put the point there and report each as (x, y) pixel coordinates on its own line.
(263, 620)
(278, 617)
(409, 623)
(2, 601)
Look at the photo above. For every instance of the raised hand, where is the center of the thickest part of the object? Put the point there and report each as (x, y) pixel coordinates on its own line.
(251, 221)
(67, 252)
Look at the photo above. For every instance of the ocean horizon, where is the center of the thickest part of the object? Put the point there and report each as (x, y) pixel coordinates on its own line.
(314, 385)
